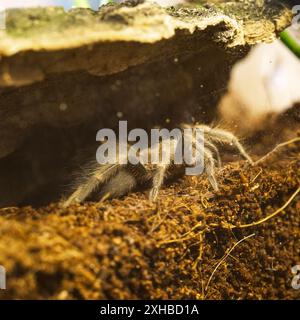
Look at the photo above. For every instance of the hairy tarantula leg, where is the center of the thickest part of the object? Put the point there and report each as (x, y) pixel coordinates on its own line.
(209, 166)
(207, 142)
(226, 137)
(208, 159)
(158, 180)
(85, 189)
(211, 146)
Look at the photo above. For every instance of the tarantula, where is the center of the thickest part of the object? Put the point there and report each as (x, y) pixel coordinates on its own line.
(116, 179)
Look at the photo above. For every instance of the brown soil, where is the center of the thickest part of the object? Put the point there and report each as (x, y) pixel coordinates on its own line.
(184, 247)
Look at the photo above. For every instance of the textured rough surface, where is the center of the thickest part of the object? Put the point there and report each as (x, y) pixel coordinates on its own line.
(31, 33)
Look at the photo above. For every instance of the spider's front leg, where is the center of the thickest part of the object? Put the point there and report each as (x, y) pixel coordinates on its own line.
(226, 137)
(92, 178)
(157, 181)
(203, 151)
(208, 147)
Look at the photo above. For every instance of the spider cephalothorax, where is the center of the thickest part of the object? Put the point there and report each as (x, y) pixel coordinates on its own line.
(116, 179)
